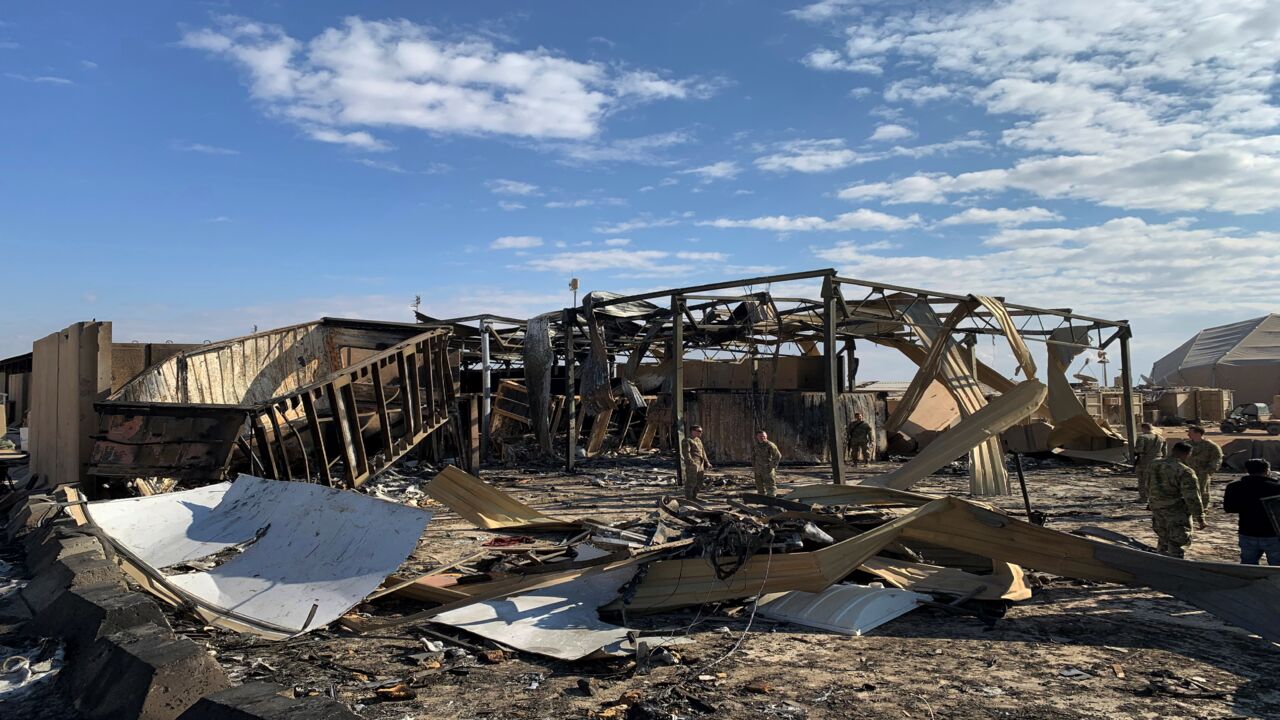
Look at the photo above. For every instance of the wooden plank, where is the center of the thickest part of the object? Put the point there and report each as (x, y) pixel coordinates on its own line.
(599, 431)
(345, 440)
(360, 471)
(488, 507)
(263, 448)
(280, 448)
(317, 437)
(384, 415)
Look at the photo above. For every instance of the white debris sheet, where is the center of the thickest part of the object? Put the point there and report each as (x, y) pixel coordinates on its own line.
(560, 621)
(309, 552)
(847, 609)
(19, 675)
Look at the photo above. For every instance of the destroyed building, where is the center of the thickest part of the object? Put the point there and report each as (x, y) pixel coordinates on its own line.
(241, 484)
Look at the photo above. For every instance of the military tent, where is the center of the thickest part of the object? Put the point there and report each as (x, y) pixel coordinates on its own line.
(1243, 357)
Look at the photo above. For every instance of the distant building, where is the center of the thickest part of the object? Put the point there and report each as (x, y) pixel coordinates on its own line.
(1243, 357)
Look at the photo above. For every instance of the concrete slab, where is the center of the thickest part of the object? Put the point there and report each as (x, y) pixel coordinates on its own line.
(51, 529)
(265, 701)
(142, 674)
(40, 557)
(80, 616)
(76, 571)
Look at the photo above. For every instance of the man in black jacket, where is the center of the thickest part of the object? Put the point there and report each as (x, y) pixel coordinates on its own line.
(1244, 496)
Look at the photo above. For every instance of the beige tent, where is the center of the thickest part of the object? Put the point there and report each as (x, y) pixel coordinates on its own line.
(1243, 356)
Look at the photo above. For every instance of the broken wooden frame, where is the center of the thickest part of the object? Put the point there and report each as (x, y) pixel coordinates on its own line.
(1241, 595)
(336, 401)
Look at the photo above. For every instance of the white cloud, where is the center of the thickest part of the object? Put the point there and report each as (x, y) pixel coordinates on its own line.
(638, 223)
(916, 91)
(1165, 106)
(356, 139)
(509, 206)
(810, 156)
(586, 202)
(612, 259)
(702, 256)
(511, 187)
(393, 167)
(861, 219)
(815, 156)
(1001, 216)
(205, 149)
(617, 242)
(890, 132)
(723, 170)
(823, 10)
(516, 242)
(40, 79)
(831, 60)
(397, 74)
(88, 65)
(642, 150)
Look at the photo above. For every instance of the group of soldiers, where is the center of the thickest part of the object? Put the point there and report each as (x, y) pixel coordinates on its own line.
(1175, 485)
(765, 457)
(1174, 482)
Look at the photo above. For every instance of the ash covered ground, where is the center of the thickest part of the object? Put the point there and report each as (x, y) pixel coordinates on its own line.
(1075, 650)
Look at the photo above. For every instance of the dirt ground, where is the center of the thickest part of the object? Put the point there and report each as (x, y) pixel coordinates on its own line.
(1075, 650)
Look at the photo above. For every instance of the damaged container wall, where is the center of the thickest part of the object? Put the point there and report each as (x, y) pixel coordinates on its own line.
(796, 421)
(337, 400)
(129, 360)
(243, 371)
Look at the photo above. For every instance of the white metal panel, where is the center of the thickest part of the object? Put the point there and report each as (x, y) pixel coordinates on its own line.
(847, 609)
(319, 548)
(560, 621)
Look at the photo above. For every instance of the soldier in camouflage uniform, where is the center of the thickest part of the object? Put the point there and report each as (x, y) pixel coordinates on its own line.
(1174, 495)
(857, 438)
(696, 464)
(1147, 448)
(765, 457)
(1206, 458)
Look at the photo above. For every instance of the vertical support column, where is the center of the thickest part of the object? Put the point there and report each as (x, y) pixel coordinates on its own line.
(1126, 386)
(486, 389)
(571, 441)
(831, 380)
(851, 364)
(677, 383)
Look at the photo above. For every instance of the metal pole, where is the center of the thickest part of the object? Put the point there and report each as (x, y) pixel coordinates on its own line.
(1033, 516)
(1126, 386)
(571, 406)
(829, 369)
(486, 390)
(677, 383)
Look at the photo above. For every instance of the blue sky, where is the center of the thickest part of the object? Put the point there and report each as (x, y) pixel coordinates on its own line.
(189, 171)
